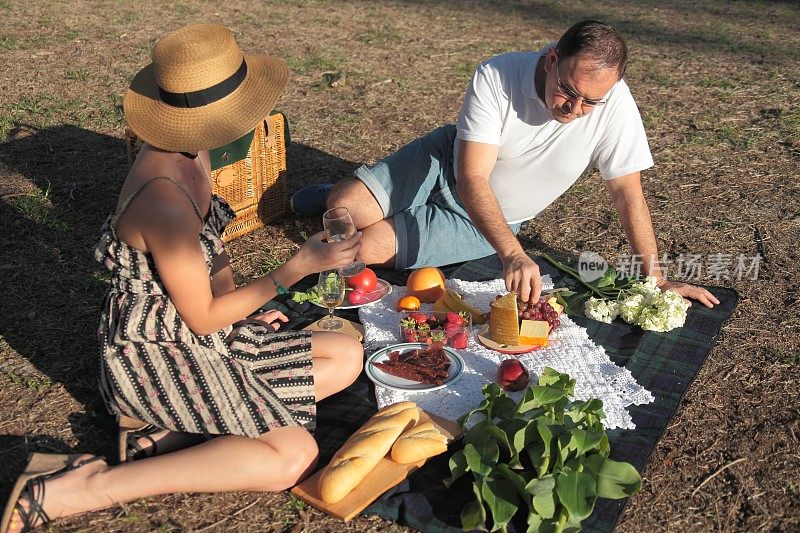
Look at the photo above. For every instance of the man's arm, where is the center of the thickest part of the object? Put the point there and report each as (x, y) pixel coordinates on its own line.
(628, 198)
(474, 165)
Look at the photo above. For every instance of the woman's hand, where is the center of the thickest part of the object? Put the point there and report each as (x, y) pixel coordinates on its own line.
(271, 319)
(317, 255)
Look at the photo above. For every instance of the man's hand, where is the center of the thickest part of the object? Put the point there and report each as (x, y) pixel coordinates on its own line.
(689, 291)
(522, 276)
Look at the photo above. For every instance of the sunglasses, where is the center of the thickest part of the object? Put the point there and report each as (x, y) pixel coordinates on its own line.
(571, 94)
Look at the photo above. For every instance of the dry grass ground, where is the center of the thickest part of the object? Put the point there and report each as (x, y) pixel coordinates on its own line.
(717, 83)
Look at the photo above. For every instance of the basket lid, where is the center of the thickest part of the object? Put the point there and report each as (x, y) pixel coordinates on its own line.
(231, 152)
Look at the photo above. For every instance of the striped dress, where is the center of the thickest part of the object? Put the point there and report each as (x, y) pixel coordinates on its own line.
(242, 380)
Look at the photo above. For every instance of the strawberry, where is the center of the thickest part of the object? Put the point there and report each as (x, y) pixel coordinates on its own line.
(408, 323)
(424, 333)
(459, 341)
(455, 318)
(419, 318)
(451, 329)
(438, 336)
(409, 335)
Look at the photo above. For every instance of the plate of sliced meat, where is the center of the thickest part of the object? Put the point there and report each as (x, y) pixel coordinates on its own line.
(414, 366)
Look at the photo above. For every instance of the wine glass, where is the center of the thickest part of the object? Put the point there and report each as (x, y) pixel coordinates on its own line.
(339, 226)
(331, 287)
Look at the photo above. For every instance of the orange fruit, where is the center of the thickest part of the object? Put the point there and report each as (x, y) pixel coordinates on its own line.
(426, 283)
(408, 303)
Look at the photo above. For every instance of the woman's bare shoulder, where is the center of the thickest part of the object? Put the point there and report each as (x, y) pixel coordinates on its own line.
(153, 200)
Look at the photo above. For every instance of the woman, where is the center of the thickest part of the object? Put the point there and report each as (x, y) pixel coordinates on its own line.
(177, 353)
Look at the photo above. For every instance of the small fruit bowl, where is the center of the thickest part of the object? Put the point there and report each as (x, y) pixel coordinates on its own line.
(451, 329)
(357, 297)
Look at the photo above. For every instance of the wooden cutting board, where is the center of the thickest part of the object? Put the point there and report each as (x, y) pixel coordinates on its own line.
(383, 477)
(354, 329)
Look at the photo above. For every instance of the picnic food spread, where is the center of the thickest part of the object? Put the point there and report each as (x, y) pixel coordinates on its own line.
(362, 468)
(392, 428)
(426, 365)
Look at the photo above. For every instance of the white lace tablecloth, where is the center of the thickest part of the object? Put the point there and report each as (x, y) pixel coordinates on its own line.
(570, 351)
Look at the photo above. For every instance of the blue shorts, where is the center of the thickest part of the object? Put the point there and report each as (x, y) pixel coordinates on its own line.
(416, 187)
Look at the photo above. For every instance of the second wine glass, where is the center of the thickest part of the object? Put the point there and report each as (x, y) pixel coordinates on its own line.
(339, 226)
(331, 288)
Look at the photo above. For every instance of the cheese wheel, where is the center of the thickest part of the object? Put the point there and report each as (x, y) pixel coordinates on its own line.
(504, 320)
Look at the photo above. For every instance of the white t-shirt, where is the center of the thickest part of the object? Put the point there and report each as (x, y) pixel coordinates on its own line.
(539, 158)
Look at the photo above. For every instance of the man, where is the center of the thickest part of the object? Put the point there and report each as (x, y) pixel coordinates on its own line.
(530, 124)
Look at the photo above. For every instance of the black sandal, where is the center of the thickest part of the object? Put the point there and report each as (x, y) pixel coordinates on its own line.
(134, 450)
(30, 487)
(130, 431)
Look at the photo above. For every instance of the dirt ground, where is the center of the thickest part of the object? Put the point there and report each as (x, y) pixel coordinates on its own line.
(717, 85)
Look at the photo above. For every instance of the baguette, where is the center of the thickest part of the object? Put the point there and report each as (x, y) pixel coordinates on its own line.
(364, 449)
(419, 442)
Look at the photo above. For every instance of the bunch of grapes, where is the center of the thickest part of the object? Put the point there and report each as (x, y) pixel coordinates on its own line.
(540, 310)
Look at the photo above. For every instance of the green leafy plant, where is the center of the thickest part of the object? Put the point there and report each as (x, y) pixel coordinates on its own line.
(311, 295)
(544, 456)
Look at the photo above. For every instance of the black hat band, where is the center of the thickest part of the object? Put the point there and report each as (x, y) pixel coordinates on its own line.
(205, 96)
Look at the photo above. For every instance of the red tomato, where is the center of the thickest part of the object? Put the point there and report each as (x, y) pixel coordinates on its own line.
(367, 281)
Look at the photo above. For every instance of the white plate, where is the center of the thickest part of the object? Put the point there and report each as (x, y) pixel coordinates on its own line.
(381, 378)
(384, 288)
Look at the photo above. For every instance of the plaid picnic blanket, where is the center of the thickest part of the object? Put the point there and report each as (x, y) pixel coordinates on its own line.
(664, 363)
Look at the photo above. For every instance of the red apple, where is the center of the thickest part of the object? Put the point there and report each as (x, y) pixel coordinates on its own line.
(512, 375)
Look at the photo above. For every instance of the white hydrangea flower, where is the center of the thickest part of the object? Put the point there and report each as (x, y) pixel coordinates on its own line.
(660, 311)
(673, 308)
(601, 309)
(647, 289)
(651, 319)
(631, 307)
(646, 305)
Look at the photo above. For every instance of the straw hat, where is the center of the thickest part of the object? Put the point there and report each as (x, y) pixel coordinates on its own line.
(201, 91)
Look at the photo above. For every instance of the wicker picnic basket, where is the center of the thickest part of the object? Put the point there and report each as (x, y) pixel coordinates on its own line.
(255, 187)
